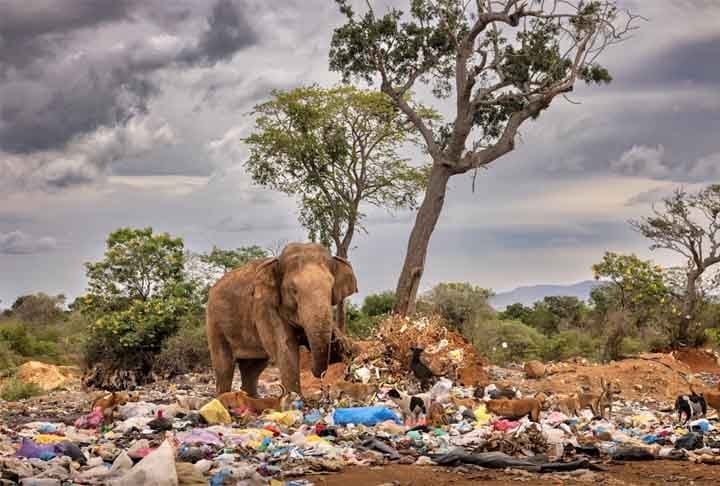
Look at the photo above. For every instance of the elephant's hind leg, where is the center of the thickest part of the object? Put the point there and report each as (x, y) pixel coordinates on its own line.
(250, 370)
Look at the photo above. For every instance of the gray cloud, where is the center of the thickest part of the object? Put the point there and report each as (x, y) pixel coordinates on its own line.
(228, 31)
(19, 243)
(33, 30)
(80, 88)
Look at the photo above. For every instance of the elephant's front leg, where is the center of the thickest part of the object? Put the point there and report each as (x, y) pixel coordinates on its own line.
(287, 358)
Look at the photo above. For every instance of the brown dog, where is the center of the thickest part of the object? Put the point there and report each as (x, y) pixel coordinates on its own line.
(436, 415)
(516, 409)
(567, 404)
(359, 392)
(468, 403)
(599, 402)
(109, 402)
(240, 399)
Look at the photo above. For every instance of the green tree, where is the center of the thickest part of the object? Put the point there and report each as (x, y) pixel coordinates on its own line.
(138, 265)
(378, 304)
(689, 225)
(138, 295)
(502, 63)
(640, 284)
(460, 303)
(226, 260)
(335, 149)
(516, 312)
(38, 308)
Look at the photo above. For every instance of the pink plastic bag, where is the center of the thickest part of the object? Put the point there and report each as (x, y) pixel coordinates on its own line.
(91, 420)
(503, 425)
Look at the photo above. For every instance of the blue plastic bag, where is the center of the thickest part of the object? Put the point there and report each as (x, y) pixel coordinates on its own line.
(364, 416)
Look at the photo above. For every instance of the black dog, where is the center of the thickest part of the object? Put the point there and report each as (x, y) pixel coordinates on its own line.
(691, 406)
(419, 369)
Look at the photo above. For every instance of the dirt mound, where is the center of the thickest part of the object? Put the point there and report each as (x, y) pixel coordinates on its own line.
(46, 376)
(649, 376)
(699, 360)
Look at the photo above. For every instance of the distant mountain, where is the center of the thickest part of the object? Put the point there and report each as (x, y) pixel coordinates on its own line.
(532, 293)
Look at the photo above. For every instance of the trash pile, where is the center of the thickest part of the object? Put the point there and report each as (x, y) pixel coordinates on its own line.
(180, 434)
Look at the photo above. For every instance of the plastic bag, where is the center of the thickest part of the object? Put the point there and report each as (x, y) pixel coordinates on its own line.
(363, 416)
(91, 420)
(200, 437)
(137, 409)
(441, 388)
(481, 415)
(157, 469)
(30, 450)
(285, 418)
(215, 413)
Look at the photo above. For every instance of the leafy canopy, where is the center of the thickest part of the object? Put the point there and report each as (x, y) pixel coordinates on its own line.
(334, 149)
(640, 283)
(504, 61)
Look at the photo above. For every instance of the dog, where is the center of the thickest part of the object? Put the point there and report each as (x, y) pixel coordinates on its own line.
(419, 369)
(412, 407)
(598, 402)
(516, 409)
(436, 415)
(359, 392)
(691, 406)
(241, 400)
(712, 399)
(109, 402)
(468, 403)
(491, 392)
(567, 404)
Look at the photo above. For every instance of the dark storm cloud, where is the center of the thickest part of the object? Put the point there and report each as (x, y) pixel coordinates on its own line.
(228, 31)
(71, 88)
(19, 243)
(33, 29)
(693, 61)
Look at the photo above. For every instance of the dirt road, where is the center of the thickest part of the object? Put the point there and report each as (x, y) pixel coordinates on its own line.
(628, 474)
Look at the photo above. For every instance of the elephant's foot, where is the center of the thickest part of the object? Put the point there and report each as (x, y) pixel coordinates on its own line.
(250, 370)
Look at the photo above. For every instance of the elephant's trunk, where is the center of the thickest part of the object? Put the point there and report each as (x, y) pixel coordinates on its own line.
(320, 348)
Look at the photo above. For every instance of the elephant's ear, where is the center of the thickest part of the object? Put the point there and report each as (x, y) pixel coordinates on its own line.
(267, 292)
(345, 282)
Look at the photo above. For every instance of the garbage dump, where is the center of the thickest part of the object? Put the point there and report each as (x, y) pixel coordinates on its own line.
(170, 434)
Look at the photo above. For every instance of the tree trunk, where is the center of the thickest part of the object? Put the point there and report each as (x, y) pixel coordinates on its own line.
(425, 222)
(689, 307)
(342, 252)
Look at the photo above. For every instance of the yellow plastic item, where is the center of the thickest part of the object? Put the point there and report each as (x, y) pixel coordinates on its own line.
(481, 415)
(313, 439)
(215, 413)
(48, 439)
(275, 482)
(284, 418)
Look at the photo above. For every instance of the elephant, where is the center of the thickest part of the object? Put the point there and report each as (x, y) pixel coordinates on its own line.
(265, 310)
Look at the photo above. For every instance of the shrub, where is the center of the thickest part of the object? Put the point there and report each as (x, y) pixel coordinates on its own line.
(506, 341)
(359, 324)
(14, 390)
(568, 344)
(130, 339)
(379, 304)
(458, 303)
(631, 345)
(185, 352)
(18, 339)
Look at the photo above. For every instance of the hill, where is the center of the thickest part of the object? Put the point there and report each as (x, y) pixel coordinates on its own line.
(527, 295)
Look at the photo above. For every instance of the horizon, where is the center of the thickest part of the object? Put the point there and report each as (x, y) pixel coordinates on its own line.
(81, 156)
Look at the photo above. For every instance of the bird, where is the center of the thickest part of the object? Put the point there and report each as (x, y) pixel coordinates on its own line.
(419, 369)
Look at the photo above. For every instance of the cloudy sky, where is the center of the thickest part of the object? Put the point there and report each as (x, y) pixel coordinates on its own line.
(129, 113)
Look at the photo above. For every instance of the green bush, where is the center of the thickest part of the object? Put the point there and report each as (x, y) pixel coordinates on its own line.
(17, 338)
(379, 304)
(9, 359)
(185, 352)
(359, 324)
(14, 390)
(506, 341)
(569, 344)
(631, 345)
(130, 339)
(459, 303)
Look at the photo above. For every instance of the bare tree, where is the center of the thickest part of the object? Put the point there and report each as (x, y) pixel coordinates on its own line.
(504, 61)
(687, 224)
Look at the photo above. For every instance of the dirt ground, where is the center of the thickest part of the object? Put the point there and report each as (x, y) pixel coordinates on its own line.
(636, 473)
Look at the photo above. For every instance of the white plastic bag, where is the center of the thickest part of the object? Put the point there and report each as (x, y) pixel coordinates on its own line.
(156, 469)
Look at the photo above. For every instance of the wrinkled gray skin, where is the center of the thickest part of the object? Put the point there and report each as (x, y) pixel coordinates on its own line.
(266, 309)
